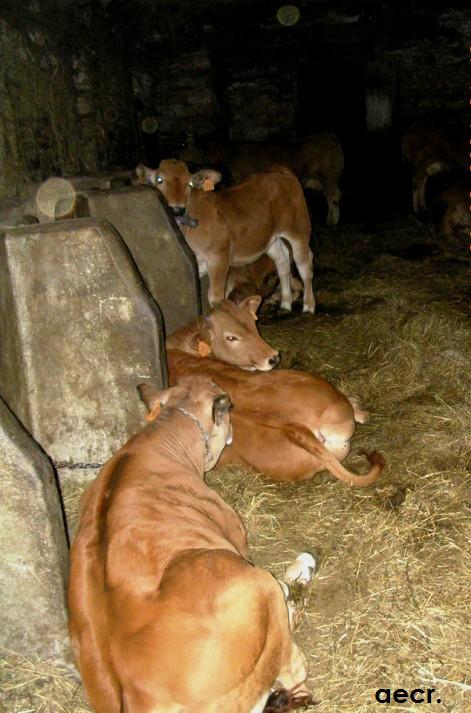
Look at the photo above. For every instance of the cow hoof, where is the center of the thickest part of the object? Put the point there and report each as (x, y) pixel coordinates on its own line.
(286, 306)
(309, 309)
(302, 569)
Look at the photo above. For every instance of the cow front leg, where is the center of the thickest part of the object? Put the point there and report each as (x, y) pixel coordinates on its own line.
(279, 253)
(217, 273)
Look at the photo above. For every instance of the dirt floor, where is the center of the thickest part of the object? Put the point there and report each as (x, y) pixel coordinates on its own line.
(390, 605)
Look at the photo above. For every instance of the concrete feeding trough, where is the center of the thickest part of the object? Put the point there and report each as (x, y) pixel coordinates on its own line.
(79, 331)
(165, 261)
(33, 548)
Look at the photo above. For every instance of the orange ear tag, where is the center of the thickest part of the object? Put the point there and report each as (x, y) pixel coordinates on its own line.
(153, 413)
(204, 349)
(208, 185)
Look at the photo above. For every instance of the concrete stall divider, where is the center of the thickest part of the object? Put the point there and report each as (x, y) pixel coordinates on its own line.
(33, 548)
(79, 331)
(166, 263)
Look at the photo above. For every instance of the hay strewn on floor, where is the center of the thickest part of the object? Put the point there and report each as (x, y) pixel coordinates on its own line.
(390, 605)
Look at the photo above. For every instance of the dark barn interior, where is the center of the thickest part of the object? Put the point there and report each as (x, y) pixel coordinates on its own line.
(94, 87)
(89, 86)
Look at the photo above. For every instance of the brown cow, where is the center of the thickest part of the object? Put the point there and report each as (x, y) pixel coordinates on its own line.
(317, 160)
(428, 152)
(166, 612)
(452, 207)
(287, 424)
(236, 226)
(261, 278)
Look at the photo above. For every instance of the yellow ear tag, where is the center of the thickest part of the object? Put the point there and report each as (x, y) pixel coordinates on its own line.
(153, 413)
(208, 185)
(204, 349)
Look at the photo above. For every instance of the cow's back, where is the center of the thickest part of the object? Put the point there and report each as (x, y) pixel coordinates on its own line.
(263, 204)
(319, 154)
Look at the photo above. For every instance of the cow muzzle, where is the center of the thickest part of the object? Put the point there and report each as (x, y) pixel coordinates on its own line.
(267, 364)
(182, 218)
(178, 210)
(187, 221)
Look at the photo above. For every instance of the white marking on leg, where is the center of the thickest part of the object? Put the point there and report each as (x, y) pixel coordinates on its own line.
(279, 253)
(302, 569)
(202, 268)
(303, 257)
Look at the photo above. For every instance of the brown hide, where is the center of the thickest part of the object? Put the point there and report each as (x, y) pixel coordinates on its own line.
(166, 613)
(259, 278)
(427, 151)
(317, 160)
(235, 226)
(456, 215)
(286, 424)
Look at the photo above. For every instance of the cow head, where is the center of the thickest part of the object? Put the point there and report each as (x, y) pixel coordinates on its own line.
(173, 179)
(229, 332)
(203, 404)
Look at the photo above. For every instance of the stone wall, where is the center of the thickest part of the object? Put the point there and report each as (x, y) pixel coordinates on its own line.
(66, 105)
(92, 86)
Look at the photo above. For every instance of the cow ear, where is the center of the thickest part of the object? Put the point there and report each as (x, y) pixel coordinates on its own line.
(251, 304)
(205, 179)
(145, 174)
(204, 349)
(154, 399)
(201, 341)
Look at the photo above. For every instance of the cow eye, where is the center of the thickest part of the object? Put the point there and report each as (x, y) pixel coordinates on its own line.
(159, 179)
(232, 338)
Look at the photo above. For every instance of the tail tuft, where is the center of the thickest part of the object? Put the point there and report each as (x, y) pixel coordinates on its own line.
(374, 458)
(283, 700)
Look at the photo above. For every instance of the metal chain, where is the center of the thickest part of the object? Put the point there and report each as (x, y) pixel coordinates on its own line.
(76, 466)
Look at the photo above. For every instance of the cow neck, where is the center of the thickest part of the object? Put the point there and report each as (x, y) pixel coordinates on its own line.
(178, 444)
(204, 433)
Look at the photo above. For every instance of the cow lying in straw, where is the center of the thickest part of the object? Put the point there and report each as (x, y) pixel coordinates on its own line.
(287, 424)
(237, 225)
(166, 612)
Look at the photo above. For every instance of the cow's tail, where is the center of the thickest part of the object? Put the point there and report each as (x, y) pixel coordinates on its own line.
(304, 438)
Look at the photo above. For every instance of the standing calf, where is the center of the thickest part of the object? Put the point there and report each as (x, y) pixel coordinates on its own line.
(237, 225)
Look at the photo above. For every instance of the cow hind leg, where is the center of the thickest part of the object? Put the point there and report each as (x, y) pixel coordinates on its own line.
(293, 676)
(279, 253)
(303, 257)
(332, 196)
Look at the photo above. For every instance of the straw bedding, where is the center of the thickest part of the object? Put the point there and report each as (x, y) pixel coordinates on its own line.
(390, 604)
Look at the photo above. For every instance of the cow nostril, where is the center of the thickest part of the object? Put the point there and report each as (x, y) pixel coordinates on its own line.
(274, 360)
(178, 209)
